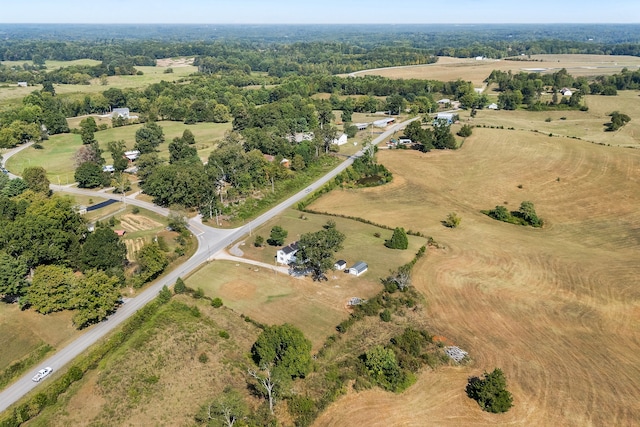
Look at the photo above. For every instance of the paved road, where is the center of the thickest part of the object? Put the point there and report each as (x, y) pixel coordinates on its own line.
(210, 241)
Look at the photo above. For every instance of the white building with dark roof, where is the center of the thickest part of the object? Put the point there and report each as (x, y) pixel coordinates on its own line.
(287, 254)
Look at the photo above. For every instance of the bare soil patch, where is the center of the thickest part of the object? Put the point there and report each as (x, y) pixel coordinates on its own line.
(174, 62)
(132, 222)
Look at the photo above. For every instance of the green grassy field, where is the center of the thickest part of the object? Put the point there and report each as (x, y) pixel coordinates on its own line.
(11, 95)
(23, 331)
(58, 152)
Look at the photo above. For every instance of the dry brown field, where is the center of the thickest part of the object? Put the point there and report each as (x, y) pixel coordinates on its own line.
(469, 69)
(586, 125)
(558, 308)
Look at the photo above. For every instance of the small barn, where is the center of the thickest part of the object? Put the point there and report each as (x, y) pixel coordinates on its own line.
(341, 140)
(492, 106)
(340, 264)
(23, 84)
(358, 268)
(287, 254)
(361, 126)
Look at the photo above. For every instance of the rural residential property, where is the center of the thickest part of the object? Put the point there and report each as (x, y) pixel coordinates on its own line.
(385, 221)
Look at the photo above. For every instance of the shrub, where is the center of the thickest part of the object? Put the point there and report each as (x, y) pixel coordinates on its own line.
(199, 293)
(258, 242)
(224, 334)
(203, 358)
(135, 210)
(165, 295)
(452, 221)
(465, 131)
(385, 315)
(216, 303)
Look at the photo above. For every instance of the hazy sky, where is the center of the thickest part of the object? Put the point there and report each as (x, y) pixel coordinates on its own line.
(321, 11)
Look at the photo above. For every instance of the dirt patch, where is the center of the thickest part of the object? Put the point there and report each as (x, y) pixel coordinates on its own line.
(238, 290)
(174, 62)
(133, 246)
(132, 223)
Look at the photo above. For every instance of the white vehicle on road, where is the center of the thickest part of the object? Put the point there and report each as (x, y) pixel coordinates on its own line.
(42, 373)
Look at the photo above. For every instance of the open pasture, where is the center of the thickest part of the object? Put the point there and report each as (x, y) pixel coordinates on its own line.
(470, 69)
(57, 155)
(587, 125)
(557, 309)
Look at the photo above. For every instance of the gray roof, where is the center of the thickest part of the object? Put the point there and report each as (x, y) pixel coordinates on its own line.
(360, 266)
(290, 248)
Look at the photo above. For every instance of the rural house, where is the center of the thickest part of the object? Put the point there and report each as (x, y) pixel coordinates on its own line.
(358, 268)
(287, 254)
(341, 140)
(120, 112)
(445, 116)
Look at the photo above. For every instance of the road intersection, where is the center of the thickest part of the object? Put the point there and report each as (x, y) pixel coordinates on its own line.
(210, 241)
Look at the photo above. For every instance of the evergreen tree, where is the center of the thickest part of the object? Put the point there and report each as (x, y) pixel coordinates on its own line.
(399, 239)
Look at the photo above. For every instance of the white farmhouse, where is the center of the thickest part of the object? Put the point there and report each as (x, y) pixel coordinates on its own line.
(287, 254)
(341, 140)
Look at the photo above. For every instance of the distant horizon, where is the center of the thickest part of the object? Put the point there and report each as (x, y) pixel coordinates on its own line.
(296, 12)
(323, 23)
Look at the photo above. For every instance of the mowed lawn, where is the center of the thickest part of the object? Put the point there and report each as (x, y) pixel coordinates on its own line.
(24, 331)
(558, 308)
(315, 307)
(57, 155)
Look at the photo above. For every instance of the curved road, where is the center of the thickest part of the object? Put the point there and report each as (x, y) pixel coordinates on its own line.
(210, 241)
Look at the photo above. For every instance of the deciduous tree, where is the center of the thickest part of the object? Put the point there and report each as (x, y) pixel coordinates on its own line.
(490, 392)
(316, 251)
(36, 179)
(284, 348)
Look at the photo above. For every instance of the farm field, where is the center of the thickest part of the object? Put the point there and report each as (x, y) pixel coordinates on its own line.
(10, 94)
(587, 125)
(557, 309)
(469, 69)
(57, 155)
